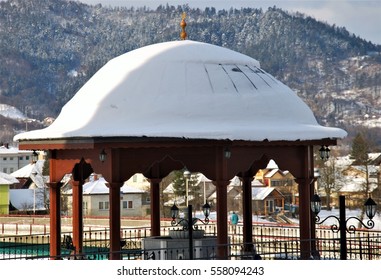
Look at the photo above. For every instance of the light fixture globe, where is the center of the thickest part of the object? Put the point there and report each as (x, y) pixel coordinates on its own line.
(174, 211)
(227, 153)
(34, 156)
(187, 174)
(370, 208)
(316, 204)
(102, 155)
(324, 152)
(206, 210)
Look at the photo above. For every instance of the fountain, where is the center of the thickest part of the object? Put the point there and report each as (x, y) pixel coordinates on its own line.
(186, 242)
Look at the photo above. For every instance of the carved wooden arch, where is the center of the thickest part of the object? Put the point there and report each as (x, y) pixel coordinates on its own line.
(161, 168)
(254, 167)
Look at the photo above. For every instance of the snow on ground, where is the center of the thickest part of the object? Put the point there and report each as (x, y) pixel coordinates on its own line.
(11, 112)
(349, 214)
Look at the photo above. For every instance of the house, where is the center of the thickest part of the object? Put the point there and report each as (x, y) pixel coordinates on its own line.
(356, 183)
(6, 181)
(138, 181)
(30, 176)
(283, 181)
(267, 200)
(134, 201)
(12, 159)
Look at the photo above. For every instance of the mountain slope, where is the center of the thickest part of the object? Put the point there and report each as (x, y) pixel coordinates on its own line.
(50, 48)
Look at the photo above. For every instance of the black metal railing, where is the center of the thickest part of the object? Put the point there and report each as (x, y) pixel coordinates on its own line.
(270, 242)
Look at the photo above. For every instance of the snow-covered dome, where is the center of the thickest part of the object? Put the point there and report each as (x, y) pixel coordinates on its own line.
(185, 89)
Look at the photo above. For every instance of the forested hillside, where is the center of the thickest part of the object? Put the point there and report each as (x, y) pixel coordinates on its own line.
(50, 48)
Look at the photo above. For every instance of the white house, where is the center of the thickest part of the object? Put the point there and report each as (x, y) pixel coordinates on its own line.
(134, 201)
(12, 159)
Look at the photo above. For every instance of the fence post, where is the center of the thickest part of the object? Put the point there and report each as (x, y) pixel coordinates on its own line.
(369, 248)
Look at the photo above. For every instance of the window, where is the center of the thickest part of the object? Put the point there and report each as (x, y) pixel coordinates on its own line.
(4, 158)
(276, 183)
(11, 170)
(128, 204)
(21, 158)
(11, 158)
(281, 183)
(5, 170)
(103, 205)
(26, 157)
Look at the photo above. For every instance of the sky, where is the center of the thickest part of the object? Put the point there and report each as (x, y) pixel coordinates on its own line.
(361, 17)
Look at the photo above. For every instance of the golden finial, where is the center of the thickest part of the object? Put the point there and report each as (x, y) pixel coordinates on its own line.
(183, 24)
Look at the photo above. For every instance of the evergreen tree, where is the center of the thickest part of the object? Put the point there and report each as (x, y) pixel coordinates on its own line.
(179, 185)
(360, 150)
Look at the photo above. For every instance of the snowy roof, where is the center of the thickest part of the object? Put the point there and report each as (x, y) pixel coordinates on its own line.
(9, 150)
(99, 186)
(201, 178)
(34, 172)
(272, 165)
(29, 169)
(357, 184)
(129, 189)
(257, 183)
(169, 189)
(272, 173)
(185, 89)
(236, 182)
(7, 179)
(260, 193)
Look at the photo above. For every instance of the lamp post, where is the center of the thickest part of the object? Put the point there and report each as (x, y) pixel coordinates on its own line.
(343, 228)
(324, 152)
(34, 156)
(189, 222)
(102, 155)
(187, 176)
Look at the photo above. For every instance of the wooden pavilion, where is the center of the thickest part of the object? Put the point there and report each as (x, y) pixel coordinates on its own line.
(176, 105)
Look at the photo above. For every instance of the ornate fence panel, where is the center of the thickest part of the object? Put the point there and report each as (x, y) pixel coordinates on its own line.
(271, 242)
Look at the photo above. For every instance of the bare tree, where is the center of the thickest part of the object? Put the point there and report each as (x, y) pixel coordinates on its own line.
(360, 154)
(328, 180)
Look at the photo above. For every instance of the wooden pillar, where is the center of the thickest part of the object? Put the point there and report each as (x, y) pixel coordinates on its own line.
(114, 197)
(247, 214)
(314, 251)
(81, 171)
(55, 220)
(222, 220)
(155, 206)
(221, 183)
(77, 216)
(306, 223)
